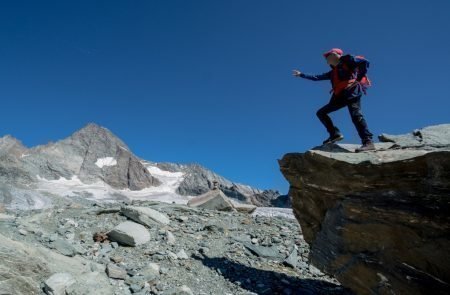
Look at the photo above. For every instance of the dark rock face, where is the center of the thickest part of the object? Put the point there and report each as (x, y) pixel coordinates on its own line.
(378, 221)
(271, 198)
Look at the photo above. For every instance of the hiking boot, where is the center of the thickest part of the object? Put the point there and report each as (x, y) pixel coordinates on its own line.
(366, 147)
(334, 138)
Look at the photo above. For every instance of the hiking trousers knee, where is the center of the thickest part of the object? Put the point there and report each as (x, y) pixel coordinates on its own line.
(353, 104)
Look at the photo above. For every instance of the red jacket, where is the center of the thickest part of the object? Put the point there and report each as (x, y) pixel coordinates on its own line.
(349, 69)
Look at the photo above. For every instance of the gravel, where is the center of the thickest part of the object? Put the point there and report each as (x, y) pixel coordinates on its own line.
(199, 251)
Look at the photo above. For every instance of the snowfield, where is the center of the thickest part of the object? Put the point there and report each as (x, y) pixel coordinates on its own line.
(172, 179)
(166, 192)
(108, 161)
(274, 212)
(102, 191)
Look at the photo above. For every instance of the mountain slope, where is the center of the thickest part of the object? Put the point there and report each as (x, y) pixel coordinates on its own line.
(198, 180)
(95, 164)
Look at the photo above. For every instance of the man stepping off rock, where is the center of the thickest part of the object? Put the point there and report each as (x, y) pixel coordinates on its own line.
(349, 82)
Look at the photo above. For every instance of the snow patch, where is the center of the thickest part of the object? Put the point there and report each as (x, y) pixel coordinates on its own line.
(156, 171)
(102, 191)
(170, 181)
(107, 161)
(274, 212)
(165, 192)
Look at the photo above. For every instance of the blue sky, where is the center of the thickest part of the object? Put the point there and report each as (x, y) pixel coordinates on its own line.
(210, 81)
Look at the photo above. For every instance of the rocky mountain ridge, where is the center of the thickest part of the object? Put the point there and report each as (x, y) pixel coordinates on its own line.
(95, 163)
(76, 155)
(199, 180)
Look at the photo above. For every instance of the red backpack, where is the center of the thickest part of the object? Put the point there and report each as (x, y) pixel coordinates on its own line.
(349, 65)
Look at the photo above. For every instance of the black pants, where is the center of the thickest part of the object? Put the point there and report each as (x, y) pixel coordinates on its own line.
(353, 103)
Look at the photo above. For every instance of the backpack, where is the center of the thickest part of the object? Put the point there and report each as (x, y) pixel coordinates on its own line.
(365, 81)
(350, 63)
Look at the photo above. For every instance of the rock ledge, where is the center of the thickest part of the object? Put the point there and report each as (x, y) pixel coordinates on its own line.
(379, 221)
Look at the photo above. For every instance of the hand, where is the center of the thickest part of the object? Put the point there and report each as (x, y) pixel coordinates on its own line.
(296, 73)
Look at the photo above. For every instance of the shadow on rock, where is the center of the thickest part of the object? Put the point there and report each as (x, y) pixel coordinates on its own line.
(332, 148)
(269, 282)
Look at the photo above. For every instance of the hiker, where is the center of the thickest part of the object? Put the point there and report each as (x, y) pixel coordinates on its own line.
(349, 83)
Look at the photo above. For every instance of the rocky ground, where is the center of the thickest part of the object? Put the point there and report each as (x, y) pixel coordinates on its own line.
(69, 249)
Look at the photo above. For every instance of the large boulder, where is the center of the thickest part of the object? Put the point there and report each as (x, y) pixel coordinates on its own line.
(212, 200)
(58, 283)
(144, 215)
(116, 272)
(244, 208)
(378, 221)
(216, 199)
(129, 234)
(23, 267)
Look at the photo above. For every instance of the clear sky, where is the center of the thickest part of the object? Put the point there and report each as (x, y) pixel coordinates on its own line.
(210, 81)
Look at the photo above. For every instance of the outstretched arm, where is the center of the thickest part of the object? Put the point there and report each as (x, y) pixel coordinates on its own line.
(324, 76)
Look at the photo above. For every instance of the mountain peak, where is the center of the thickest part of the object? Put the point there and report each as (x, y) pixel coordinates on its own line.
(95, 133)
(93, 128)
(7, 138)
(8, 142)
